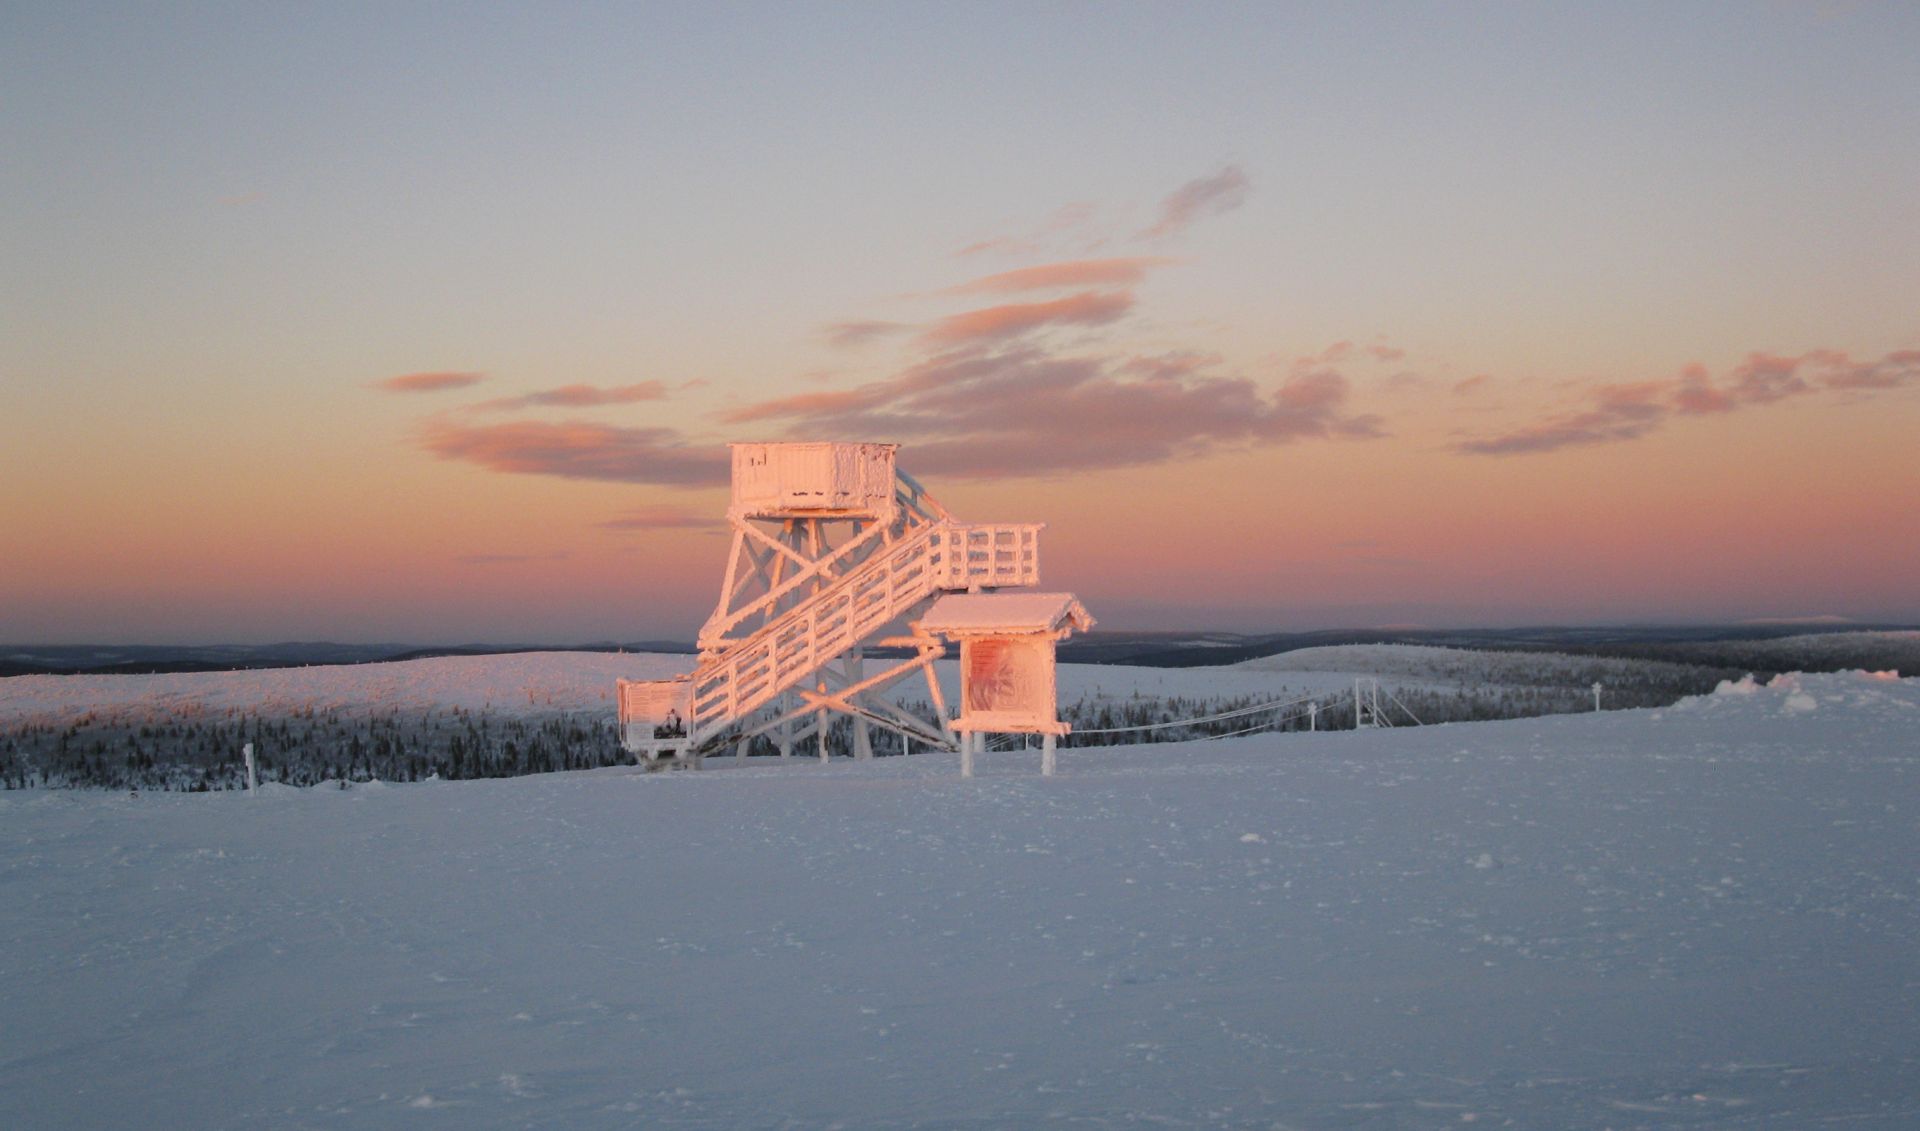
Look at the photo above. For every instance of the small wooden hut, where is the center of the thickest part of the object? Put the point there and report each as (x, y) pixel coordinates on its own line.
(1007, 670)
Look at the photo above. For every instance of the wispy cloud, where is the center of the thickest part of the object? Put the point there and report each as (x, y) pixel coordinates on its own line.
(858, 332)
(428, 382)
(509, 559)
(1169, 366)
(578, 396)
(1621, 412)
(1071, 224)
(1001, 323)
(1026, 411)
(1124, 271)
(579, 450)
(661, 518)
(1208, 196)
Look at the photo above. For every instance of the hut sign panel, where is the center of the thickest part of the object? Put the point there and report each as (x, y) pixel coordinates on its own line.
(1010, 679)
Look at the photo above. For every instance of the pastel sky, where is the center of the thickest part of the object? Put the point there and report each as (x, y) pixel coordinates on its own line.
(429, 323)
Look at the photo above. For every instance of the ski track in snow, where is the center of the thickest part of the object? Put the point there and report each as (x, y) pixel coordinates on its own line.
(1699, 917)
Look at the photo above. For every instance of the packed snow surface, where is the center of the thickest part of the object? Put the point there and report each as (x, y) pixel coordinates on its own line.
(1707, 916)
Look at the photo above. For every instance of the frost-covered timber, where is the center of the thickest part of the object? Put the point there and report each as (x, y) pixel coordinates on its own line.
(1008, 681)
(833, 549)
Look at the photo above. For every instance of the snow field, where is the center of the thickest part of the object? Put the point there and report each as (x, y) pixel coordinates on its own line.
(1704, 916)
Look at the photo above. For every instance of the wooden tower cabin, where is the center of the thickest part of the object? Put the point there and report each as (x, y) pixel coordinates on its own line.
(835, 550)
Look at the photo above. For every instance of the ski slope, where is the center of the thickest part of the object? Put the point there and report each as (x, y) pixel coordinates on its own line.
(1700, 917)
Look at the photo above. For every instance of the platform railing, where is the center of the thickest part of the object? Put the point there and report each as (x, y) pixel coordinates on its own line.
(732, 683)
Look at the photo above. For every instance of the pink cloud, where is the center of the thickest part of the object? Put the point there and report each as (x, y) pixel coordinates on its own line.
(1068, 224)
(800, 404)
(509, 559)
(662, 518)
(1208, 196)
(428, 382)
(1070, 273)
(1575, 430)
(1386, 353)
(1001, 323)
(1334, 353)
(578, 396)
(1695, 394)
(1169, 366)
(1622, 412)
(579, 450)
(1025, 411)
(847, 335)
(1763, 378)
(1471, 384)
(1901, 367)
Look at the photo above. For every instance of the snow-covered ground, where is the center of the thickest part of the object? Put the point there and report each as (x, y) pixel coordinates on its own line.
(1703, 916)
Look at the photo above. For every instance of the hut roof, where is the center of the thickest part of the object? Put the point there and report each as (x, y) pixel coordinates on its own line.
(986, 614)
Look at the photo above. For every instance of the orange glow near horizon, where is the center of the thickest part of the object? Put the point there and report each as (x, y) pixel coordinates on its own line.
(1320, 335)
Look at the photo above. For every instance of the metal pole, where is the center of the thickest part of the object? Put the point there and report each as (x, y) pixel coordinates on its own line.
(1046, 755)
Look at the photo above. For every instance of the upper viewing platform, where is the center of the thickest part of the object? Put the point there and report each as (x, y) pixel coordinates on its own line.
(813, 479)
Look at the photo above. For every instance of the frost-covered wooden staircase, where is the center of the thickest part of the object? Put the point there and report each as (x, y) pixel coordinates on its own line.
(831, 547)
(741, 677)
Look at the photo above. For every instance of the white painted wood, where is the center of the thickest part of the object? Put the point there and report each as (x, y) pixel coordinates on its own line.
(772, 480)
(831, 545)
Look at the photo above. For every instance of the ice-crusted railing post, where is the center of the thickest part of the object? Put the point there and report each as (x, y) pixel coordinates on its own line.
(252, 782)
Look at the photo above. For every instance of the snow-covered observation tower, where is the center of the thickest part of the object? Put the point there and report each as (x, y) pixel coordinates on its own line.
(834, 550)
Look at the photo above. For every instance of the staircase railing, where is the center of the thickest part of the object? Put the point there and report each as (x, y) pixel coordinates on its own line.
(732, 683)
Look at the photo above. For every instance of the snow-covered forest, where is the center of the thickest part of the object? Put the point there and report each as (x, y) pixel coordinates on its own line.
(502, 716)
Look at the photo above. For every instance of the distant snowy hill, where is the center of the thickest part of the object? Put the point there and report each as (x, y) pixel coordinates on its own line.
(519, 682)
(1427, 664)
(1702, 916)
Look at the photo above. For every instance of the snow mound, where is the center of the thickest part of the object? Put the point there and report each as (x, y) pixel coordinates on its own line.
(1798, 693)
